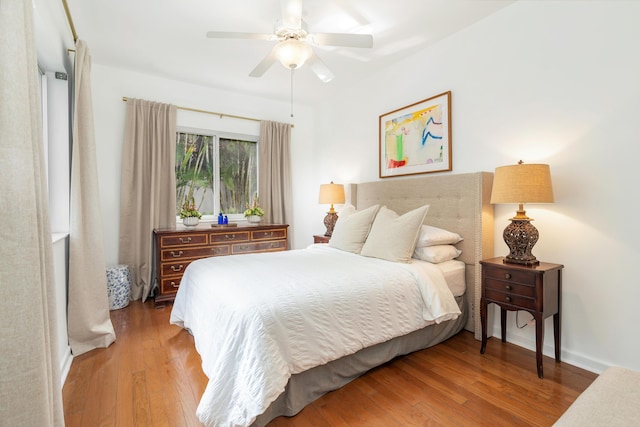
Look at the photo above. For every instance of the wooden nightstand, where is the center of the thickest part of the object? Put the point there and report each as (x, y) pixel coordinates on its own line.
(535, 289)
(320, 239)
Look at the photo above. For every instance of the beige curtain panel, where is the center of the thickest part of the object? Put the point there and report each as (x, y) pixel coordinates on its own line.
(30, 390)
(89, 323)
(274, 172)
(148, 187)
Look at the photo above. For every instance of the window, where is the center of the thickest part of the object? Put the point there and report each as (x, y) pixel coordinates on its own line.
(217, 171)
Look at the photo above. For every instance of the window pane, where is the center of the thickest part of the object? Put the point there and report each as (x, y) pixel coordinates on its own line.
(194, 171)
(238, 174)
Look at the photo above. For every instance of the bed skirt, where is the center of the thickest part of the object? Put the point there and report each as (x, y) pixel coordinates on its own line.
(307, 386)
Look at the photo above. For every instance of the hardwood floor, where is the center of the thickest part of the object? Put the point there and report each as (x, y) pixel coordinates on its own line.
(151, 376)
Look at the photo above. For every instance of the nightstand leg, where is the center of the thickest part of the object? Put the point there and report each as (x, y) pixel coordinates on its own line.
(483, 323)
(503, 324)
(539, 340)
(556, 334)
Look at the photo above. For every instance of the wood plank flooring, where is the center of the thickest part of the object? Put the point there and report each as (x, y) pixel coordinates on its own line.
(151, 376)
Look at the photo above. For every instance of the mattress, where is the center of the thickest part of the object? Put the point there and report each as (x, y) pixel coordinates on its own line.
(454, 274)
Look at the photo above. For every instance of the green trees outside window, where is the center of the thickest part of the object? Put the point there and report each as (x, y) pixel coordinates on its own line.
(220, 174)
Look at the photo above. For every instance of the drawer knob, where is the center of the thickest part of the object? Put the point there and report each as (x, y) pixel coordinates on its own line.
(269, 234)
(216, 250)
(187, 240)
(229, 236)
(275, 245)
(508, 287)
(174, 285)
(507, 276)
(178, 268)
(173, 254)
(508, 299)
(243, 247)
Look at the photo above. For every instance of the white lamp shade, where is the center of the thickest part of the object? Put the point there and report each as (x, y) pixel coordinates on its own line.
(293, 53)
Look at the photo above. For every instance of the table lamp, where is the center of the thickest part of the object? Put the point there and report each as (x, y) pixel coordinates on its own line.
(330, 194)
(521, 183)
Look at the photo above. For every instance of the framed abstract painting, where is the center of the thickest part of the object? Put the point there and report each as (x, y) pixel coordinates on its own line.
(417, 138)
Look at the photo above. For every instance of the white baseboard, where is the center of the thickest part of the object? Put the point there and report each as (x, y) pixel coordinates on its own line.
(566, 356)
(65, 365)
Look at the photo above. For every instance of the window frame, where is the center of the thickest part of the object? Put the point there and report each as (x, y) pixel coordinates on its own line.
(216, 135)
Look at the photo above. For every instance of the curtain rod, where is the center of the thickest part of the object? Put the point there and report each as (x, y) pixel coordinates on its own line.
(221, 115)
(70, 21)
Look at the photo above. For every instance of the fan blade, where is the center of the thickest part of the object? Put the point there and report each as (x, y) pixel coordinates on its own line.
(320, 69)
(264, 65)
(343, 39)
(291, 13)
(232, 35)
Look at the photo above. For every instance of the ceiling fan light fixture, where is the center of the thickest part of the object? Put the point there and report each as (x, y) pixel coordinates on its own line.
(292, 53)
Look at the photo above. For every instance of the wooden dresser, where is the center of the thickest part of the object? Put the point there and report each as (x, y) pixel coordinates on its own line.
(177, 247)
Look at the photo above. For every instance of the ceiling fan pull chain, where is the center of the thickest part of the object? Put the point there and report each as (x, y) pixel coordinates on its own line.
(293, 67)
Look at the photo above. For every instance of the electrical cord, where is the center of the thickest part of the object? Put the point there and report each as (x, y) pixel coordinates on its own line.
(521, 327)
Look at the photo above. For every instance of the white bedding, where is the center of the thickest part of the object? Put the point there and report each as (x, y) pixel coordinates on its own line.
(259, 318)
(454, 272)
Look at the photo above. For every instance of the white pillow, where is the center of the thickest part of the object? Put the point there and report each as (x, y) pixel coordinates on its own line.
(431, 236)
(352, 228)
(436, 254)
(393, 237)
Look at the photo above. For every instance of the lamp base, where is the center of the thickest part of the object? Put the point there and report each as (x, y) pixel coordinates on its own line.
(330, 222)
(520, 236)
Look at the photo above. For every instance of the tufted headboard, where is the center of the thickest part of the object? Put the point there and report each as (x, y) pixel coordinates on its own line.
(458, 202)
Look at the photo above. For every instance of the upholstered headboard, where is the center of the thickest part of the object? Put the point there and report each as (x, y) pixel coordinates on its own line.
(458, 202)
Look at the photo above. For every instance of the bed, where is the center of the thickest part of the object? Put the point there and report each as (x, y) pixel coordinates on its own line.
(284, 343)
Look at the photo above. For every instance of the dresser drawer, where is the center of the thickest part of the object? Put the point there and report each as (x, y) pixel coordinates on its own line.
(280, 233)
(510, 287)
(173, 268)
(186, 239)
(170, 286)
(524, 277)
(269, 246)
(519, 301)
(229, 237)
(188, 252)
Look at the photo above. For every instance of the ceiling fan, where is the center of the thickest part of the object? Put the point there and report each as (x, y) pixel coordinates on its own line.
(295, 42)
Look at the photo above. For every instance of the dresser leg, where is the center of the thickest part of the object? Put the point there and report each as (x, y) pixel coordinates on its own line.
(483, 322)
(556, 334)
(503, 324)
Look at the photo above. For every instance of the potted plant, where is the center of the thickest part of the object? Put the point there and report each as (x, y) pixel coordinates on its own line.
(189, 214)
(254, 212)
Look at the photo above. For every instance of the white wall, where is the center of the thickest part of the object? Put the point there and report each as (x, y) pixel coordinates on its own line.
(550, 82)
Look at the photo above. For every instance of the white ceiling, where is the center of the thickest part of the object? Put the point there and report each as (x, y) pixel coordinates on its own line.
(168, 38)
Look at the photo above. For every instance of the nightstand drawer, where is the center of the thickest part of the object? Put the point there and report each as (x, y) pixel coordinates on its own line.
(508, 298)
(511, 275)
(510, 287)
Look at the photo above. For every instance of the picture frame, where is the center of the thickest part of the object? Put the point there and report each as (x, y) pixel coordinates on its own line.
(416, 139)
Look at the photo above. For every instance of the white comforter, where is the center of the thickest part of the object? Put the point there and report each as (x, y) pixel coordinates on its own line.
(259, 318)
